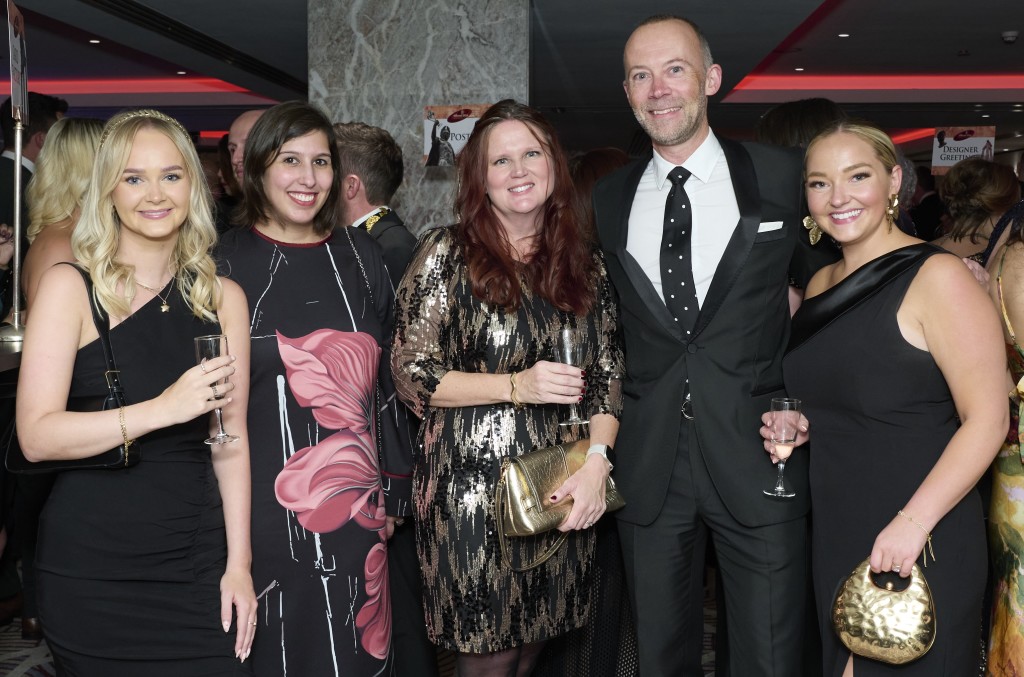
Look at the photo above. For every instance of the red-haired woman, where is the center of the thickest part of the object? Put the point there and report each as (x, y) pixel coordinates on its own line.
(478, 314)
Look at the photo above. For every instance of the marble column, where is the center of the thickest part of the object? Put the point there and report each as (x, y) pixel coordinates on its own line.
(381, 61)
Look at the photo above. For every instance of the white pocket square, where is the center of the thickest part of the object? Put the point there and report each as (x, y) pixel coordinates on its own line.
(769, 226)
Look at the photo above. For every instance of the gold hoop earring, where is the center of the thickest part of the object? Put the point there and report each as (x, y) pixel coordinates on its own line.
(815, 230)
(893, 210)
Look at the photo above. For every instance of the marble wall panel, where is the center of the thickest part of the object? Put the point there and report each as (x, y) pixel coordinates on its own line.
(382, 61)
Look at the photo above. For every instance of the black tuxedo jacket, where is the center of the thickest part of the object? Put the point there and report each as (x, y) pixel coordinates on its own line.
(733, 358)
(397, 242)
(7, 216)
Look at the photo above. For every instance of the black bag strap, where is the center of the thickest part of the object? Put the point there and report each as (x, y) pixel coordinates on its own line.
(102, 322)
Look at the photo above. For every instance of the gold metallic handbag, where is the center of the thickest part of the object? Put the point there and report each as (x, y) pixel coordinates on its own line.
(883, 622)
(522, 499)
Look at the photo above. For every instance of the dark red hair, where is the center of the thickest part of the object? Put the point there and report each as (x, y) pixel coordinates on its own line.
(561, 267)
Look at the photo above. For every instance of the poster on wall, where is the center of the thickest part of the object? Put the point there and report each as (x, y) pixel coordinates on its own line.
(953, 144)
(446, 130)
(19, 69)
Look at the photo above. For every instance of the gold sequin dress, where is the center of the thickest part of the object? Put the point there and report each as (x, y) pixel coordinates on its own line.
(472, 601)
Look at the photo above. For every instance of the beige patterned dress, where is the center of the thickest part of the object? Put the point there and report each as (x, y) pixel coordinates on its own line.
(473, 602)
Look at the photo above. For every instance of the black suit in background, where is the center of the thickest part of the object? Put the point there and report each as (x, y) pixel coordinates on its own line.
(396, 241)
(10, 584)
(7, 216)
(414, 654)
(683, 477)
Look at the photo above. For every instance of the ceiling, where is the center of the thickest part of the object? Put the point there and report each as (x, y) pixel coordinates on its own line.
(907, 66)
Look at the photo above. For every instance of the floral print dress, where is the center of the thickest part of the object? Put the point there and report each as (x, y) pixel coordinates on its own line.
(329, 447)
(1006, 526)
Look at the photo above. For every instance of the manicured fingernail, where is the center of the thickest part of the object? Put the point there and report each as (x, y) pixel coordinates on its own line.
(226, 624)
(581, 399)
(554, 498)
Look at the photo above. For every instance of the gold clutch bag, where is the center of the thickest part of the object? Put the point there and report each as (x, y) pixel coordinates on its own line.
(522, 499)
(884, 623)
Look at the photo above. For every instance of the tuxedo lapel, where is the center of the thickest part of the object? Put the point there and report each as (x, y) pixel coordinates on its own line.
(616, 242)
(748, 199)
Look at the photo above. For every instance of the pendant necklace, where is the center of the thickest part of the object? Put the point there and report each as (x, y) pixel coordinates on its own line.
(163, 299)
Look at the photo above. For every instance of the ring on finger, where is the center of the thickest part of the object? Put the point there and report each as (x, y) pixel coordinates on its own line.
(587, 525)
(202, 365)
(252, 623)
(896, 568)
(215, 393)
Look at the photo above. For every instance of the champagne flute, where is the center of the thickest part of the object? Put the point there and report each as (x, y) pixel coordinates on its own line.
(785, 421)
(569, 350)
(207, 348)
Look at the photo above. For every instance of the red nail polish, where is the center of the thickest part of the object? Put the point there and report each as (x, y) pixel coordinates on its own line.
(581, 399)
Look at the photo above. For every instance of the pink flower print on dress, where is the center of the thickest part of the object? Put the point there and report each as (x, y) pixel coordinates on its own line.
(335, 374)
(328, 484)
(374, 620)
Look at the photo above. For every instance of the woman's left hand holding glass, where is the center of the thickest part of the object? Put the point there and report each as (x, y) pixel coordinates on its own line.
(236, 590)
(897, 547)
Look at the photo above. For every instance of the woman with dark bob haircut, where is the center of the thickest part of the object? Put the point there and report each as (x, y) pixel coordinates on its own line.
(479, 313)
(322, 309)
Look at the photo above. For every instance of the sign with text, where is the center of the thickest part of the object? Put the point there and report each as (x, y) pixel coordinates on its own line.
(19, 68)
(446, 130)
(953, 144)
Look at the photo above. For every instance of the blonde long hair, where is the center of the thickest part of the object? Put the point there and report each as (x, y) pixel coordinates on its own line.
(96, 237)
(62, 174)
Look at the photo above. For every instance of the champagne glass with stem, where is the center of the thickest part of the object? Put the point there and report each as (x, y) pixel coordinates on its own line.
(207, 348)
(785, 420)
(569, 350)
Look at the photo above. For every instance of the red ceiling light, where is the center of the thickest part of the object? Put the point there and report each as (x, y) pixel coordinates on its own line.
(185, 85)
(909, 81)
(913, 135)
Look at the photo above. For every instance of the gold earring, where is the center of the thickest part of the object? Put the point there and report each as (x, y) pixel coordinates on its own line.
(815, 230)
(893, 210)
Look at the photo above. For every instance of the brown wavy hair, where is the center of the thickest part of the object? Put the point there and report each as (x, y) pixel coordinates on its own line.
(975, 190)
(562, 265)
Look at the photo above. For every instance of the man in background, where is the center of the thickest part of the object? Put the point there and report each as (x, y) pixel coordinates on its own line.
(238, 134)
(371, 170)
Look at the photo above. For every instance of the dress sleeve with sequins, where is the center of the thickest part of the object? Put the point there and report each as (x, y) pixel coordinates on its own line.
(423, 309)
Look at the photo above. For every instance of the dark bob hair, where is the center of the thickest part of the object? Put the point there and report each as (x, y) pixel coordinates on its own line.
(276, 127)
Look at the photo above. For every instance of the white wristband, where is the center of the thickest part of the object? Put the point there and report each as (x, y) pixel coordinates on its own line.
(602, 451)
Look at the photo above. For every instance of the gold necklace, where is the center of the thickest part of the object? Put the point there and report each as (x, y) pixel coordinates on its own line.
(163, 299)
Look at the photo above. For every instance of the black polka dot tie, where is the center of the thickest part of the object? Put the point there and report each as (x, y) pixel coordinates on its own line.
(676, 269)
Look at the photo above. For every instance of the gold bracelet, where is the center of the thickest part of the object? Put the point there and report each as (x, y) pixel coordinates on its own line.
(930, 549)
(124, 429)
(515, 400)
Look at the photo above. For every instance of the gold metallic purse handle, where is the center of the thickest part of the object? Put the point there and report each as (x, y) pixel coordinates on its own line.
(499, 525)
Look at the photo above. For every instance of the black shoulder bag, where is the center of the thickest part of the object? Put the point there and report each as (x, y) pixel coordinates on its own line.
(119, 457)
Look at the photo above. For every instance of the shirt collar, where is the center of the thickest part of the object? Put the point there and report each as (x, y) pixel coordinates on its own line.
(362, 219)
(700, 164)
(25, 162)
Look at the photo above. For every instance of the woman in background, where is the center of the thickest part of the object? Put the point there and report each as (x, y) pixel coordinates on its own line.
(142, 570)
(976, 193)
(1006, 517)
(331, 472)
(55, 194)
(478, 315)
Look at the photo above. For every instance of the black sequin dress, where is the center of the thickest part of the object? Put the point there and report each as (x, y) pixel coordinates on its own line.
(474, 602)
